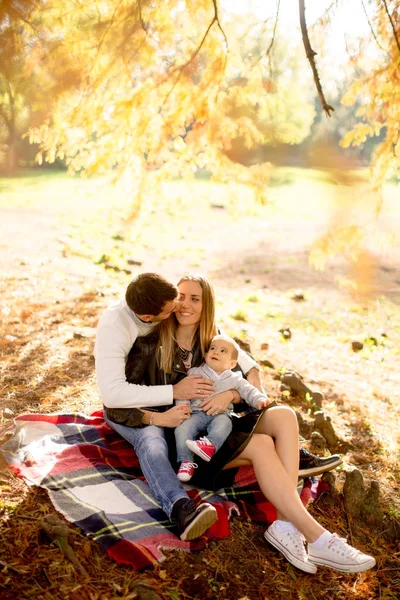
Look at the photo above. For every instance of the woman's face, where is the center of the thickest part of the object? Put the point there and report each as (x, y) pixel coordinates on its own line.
(191, 298)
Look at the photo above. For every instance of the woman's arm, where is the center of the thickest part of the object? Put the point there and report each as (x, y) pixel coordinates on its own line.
(170, 418)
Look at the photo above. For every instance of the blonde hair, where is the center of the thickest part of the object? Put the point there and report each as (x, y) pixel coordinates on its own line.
(231, 342)
(206, 328)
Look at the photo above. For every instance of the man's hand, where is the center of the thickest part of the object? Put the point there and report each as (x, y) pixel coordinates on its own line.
(193, 387)
(253, 377)
(217, 404)
(172, 417)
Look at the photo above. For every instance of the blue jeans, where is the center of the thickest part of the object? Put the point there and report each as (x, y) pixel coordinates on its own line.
(218, 428)
(152, 451)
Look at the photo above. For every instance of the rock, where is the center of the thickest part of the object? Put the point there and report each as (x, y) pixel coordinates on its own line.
(324, 426)
(243, 345)
(284, 388)
(357, 346)
(317, 398)
(131, 261)
(78, 335)
(286, 333)
(294, 381)
(305, 425)
(264, 346)
(145, 591)
(317, 441)
(266, 363)
(360, 503)
(298, 296)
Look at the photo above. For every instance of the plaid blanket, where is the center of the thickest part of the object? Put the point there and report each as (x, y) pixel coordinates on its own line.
(93, 478)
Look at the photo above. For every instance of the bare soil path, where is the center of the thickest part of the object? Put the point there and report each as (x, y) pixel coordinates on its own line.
(54, 284)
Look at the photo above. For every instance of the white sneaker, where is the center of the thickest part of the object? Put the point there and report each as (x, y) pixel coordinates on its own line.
(339, 555)
(292, 546)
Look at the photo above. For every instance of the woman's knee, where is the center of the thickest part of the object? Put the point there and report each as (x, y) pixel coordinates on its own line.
(261, 442)
(281, 415)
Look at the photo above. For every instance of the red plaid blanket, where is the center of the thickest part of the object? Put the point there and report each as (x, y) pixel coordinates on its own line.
(93, 478)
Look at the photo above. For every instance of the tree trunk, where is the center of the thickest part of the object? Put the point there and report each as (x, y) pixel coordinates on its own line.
(12, 162)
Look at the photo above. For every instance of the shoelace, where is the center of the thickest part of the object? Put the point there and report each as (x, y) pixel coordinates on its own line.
(297, 540)
(341, 546)
(187, 465)
(204, 440)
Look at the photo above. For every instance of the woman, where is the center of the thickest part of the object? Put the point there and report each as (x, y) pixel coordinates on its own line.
(268, 441)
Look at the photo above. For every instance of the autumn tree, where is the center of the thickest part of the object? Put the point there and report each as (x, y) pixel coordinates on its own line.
(173, 85)
(35, 68)
(378, 89)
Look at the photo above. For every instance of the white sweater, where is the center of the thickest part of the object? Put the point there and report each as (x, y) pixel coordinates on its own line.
(117, 331)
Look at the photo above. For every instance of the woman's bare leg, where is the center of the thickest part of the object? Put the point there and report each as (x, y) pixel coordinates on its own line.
(277, 485)
(280, 422)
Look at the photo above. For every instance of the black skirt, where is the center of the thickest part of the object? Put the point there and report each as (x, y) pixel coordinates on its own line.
(210, 475)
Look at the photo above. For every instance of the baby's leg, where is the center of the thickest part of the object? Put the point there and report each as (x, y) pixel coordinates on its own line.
(189, 430)
(218, 429)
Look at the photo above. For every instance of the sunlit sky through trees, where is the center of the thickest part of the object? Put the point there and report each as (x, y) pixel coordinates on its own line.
(349, 20)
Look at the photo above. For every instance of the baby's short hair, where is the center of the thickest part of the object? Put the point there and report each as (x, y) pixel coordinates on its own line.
(231, 342)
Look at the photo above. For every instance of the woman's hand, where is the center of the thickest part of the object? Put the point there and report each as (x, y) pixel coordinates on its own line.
(172, 417)
(193, 387)
(217, 404)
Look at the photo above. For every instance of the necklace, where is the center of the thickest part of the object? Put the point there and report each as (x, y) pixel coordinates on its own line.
(183, 353)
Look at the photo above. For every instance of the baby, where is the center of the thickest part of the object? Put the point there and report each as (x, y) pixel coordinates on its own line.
(220, 359)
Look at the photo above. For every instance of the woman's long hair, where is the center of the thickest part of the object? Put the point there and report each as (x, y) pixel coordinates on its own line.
(206, 328)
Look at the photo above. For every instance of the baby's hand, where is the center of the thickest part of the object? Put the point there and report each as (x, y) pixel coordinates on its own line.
(263, 403)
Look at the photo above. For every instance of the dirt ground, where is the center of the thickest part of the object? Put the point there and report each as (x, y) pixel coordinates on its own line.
(52, 293)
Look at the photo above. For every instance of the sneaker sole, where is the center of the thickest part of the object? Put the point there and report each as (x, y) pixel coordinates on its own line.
(307, 568)
(368, 564)
(194, 448)
(320, 470)
(200, 524)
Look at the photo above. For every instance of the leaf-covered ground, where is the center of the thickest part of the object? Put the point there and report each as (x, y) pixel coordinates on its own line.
(67, 251)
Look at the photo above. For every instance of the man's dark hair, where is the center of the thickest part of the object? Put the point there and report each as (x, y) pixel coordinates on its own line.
(148, 292)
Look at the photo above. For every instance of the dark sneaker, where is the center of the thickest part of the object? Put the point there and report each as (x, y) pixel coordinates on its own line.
(193, 520)
(311, 465)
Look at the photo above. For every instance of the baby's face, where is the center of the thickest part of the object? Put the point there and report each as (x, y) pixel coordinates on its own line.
(219, 356)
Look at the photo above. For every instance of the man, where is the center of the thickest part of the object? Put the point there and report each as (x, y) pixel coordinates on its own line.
(150, 299)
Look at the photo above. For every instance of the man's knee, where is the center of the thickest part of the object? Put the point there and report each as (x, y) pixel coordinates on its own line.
(152, 440)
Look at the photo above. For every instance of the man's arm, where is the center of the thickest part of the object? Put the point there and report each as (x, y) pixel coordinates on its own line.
(113, 343)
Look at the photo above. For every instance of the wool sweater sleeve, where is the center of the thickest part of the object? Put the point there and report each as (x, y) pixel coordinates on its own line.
(250, 394)
(113, 342)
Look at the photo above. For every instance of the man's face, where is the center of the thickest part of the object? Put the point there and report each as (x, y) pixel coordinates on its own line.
(167, 310)
(219, 356)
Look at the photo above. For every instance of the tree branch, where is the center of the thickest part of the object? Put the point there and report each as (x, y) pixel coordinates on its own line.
(371, 28)
(271, 44)
(310, 53)
(216, 17)
(392, 24)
